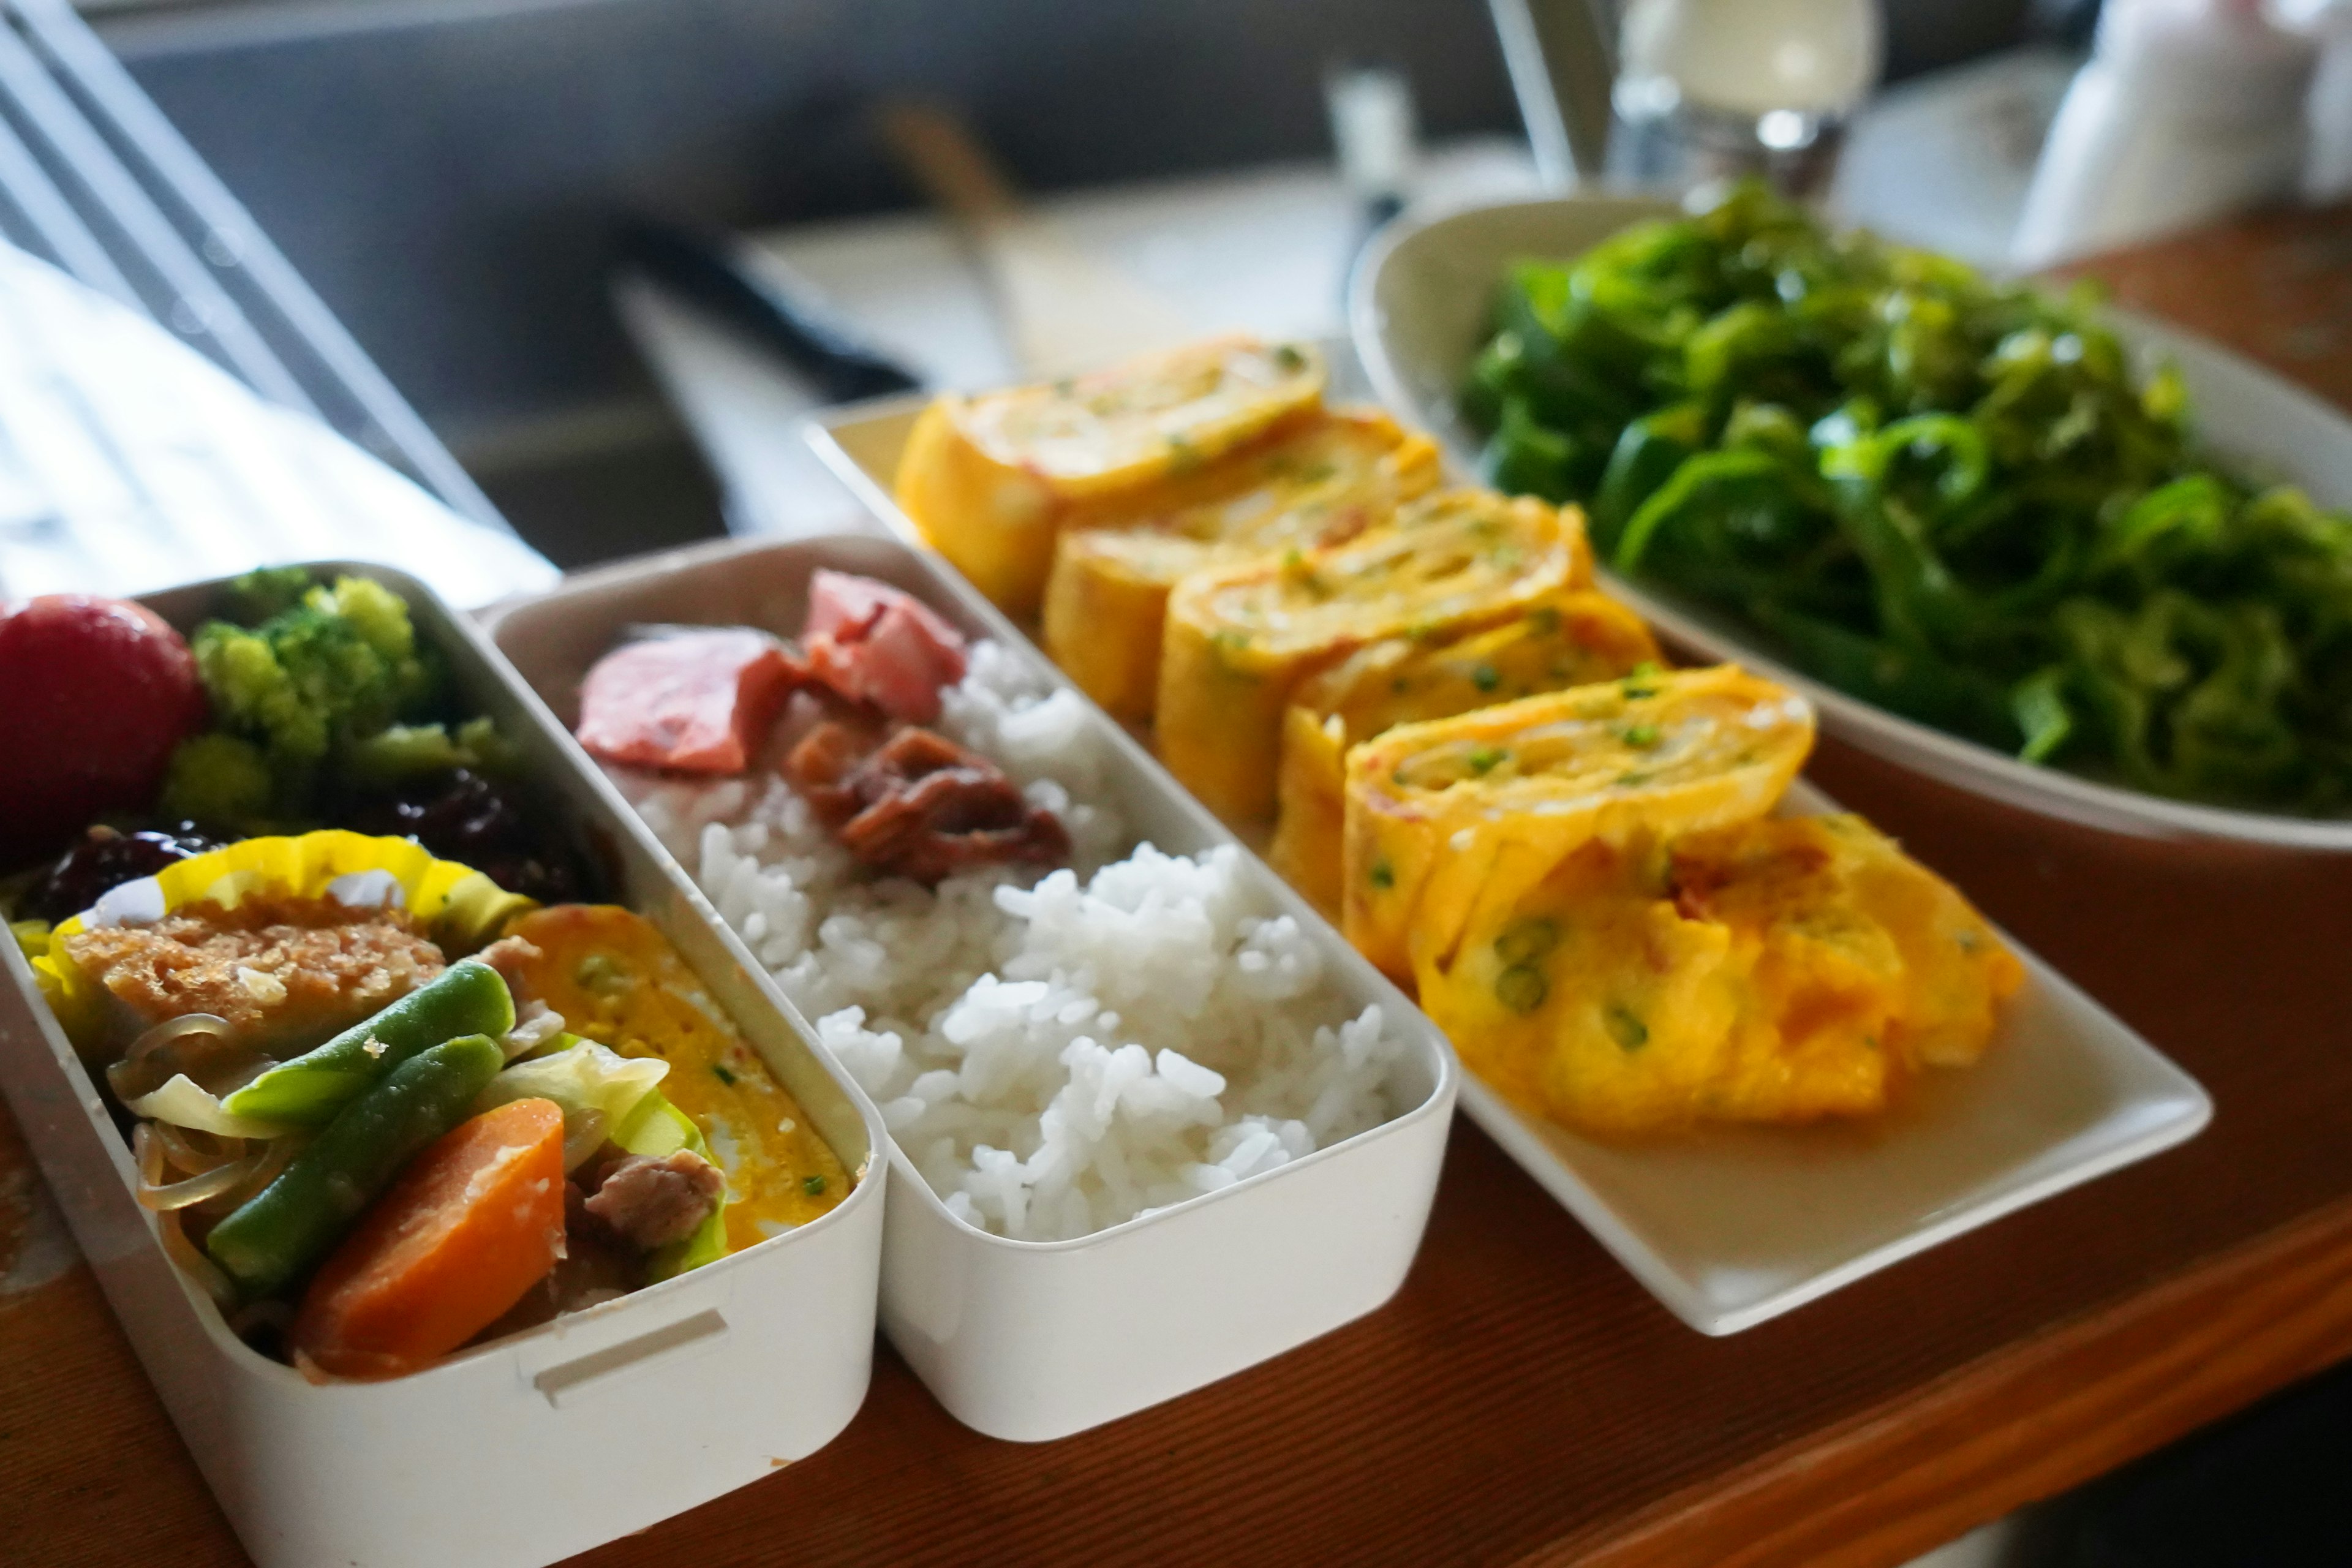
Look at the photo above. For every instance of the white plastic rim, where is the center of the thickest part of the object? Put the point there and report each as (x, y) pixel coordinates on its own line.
(1417, 309)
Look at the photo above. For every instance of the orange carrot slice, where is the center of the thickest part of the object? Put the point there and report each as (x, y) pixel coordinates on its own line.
(473, 1222)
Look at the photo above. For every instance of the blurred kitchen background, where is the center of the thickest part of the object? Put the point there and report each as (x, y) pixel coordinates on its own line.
(448, 174)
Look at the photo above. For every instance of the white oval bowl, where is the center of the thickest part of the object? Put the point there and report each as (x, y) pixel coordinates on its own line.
(1419, 309)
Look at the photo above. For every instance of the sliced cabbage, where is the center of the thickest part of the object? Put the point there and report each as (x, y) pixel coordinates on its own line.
(589, 1079)
(580, 1079)
(184, 1102)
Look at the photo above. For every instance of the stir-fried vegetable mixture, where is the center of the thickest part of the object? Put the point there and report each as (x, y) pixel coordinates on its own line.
(1947, 495)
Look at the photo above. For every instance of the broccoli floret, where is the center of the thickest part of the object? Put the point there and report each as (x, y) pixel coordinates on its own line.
(380, 618)
(272, 590)
(404, 752)
(217, 779)
(412, 751)
(333, 670)
(487, 748)
(252, 691)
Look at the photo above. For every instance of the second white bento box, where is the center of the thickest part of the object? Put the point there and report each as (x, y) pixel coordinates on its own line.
(1027, 1339)
(531, 1448)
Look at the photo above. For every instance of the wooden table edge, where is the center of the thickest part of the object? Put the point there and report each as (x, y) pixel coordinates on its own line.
(1986, 1438)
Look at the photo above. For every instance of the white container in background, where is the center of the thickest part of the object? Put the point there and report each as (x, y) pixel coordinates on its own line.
(1753, 57)
(1025, 1340)
(2327, 155)
(2189, 111)
(547, 1443)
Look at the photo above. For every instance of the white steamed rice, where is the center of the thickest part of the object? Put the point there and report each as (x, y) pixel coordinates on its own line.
(1056, 1054)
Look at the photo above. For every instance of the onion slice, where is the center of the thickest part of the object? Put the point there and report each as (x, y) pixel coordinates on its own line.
(197, 1189)
(190, 1258)
(193, 1152)
(184, 1102)
(160, 1040)
(583, 1134)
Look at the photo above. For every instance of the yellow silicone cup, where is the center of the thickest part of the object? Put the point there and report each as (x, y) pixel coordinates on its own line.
(459, 907)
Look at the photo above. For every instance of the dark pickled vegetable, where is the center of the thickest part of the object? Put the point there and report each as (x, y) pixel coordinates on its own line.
(1950, 496)
(477, 822)
(104, 861)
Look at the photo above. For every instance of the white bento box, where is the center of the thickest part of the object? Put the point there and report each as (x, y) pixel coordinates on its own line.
(546, 1443)
(1032, 1341)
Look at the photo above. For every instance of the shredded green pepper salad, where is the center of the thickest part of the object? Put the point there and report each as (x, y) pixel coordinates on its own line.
(1949, 496)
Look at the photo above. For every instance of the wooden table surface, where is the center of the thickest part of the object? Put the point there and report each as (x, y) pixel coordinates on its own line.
(1523, 1400)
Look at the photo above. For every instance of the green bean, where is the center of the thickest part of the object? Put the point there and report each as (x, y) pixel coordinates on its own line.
(466, 998)
(277, 1234)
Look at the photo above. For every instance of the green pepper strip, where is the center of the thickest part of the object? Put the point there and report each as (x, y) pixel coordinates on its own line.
(1919, 601)
(282, 1231)
(1525, 457)
(2191, 695)
(466, 998)
(1916, 685)
(1679, 493)
(2187, 516)
(2039, 703)
(1646, 454)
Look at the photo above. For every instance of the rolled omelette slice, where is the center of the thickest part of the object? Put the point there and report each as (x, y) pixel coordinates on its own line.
(989, 479)
(1780, 971)
(1812, 878)
(1315, 481)
(1573, 638)
(1443, 814)
(1239, 640)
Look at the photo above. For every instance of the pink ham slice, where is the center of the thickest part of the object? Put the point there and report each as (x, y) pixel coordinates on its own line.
(696, 702)
(872, 643)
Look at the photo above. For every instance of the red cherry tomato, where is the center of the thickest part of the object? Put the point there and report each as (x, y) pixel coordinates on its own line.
(94, 694)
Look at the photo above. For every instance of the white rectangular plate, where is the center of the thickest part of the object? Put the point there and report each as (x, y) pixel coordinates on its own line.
(1731, 1226)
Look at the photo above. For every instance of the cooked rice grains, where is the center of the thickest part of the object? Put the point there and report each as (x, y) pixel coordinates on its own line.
(1060, 1054)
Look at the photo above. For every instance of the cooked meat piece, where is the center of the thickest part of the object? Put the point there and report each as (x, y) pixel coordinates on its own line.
(651, 1202)
(696, 700)
(919, 806)
(823, 765)
(596, 1267)
(872, 643)
(286, 972)
(512, 957)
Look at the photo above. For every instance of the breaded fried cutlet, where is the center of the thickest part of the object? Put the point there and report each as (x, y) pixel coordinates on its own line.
(285, 973)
